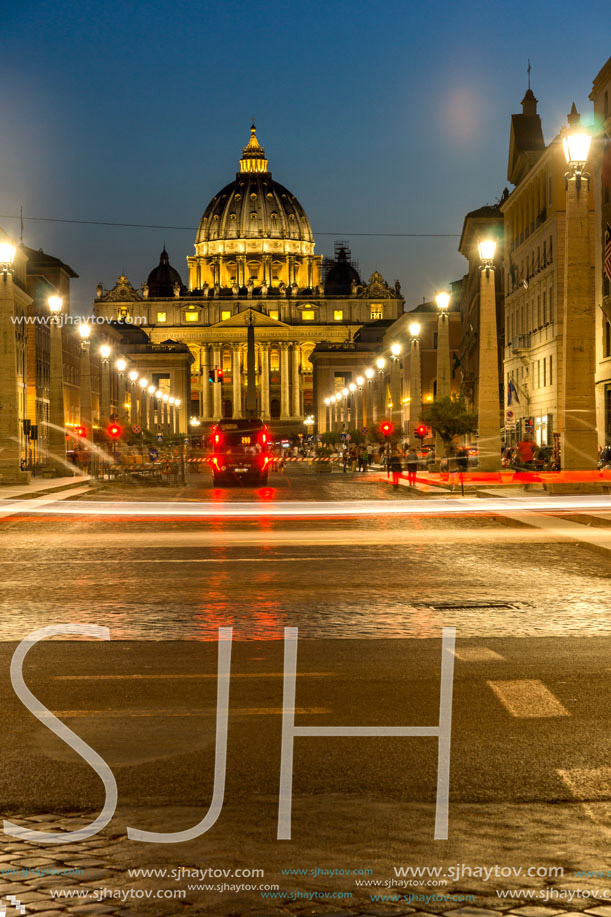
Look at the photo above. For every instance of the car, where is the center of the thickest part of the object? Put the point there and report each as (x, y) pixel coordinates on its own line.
(239, 452)
(604, 459)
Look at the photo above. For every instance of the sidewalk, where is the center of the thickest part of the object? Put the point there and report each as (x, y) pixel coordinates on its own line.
(39, 487)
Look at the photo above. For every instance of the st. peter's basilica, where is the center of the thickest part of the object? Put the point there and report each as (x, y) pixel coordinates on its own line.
(254, 263)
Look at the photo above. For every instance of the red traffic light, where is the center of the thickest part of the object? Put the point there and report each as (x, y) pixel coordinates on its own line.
(421, 431)
(114, 430)
(219, 374)
(386, 427)
(81, 431)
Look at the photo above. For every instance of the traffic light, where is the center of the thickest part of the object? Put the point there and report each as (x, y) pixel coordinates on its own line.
(219, 374)
(114, 430)
(81, 431)
(386, 427)
(421, 431)
(211, 375)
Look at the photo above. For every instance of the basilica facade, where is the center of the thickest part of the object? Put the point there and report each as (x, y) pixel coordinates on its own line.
(254, 265)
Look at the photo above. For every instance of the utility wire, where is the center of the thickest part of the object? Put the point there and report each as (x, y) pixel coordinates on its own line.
(337, 235)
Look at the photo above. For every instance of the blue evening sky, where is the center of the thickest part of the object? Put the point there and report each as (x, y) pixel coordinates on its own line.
(381, 117)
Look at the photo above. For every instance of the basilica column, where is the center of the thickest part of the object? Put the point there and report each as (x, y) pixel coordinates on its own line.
(236, 375)
(284, 381)
(264, 354)
(217, 394)
(296, 380)
(205, 367)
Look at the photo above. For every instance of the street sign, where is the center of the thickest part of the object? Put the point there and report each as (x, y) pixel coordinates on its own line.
(136, 428)
(365, 431)
(186, 440)
(153, 454)
(510, 425)
(160, 437)
(509, 416)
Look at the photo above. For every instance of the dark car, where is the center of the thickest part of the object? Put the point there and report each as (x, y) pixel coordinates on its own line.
(604, 459)
(239, 452)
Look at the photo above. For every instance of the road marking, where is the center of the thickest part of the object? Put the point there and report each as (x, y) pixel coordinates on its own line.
(477, 654)
(238, 711)
(592, 787)
(528, 698)
(170, 677)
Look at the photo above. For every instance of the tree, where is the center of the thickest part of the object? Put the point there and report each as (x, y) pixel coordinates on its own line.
(449, 417)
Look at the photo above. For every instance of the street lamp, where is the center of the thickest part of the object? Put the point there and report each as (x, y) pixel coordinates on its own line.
(369, 372)
(86, 417)
(443, 359)
(395, 349)
(7, 256)
(121, 365)
(415, 386)
(132, 375)
(380, 363)
(489, 418)
(105, 352)
(54, 436)
(579, 440)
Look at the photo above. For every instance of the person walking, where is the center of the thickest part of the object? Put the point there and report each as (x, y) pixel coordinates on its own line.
(395, 466)
(353, 459)
(345, 457)
(412, 465)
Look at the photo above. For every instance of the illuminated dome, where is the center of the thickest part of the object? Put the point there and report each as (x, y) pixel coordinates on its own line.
(254, 206)
(254, 231)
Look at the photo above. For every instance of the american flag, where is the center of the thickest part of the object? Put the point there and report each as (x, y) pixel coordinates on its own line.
(607, 252)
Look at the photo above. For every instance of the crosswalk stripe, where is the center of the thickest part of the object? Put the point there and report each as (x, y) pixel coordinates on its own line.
(477, 654)
(592, 787)
(145, 712)
(528, 698)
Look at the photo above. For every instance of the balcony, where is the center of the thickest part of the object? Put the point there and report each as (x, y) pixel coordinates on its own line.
(519, 343)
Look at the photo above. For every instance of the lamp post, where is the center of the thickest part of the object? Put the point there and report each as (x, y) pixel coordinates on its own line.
(55, 433)
(381, 385)
(86, 419)
(488, 410)
(327, 403)
(150, 407)
(579, 441)
(10, 449)
(415, 385)
(164, 407)
(121, 366)
(133, 410)
(332, 420)
(443, 359)
(105, 352)
(395, 383)
(358, 398)
(158, 419)
(143, 421)
(352, 405)
(368, 403)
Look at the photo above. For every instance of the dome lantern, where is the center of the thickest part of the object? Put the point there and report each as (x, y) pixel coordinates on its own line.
(253, 154)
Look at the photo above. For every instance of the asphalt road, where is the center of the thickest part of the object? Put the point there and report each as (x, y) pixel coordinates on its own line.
(530, 772)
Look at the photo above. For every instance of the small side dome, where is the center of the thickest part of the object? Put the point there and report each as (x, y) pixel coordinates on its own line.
(341, 276)
(162, 278)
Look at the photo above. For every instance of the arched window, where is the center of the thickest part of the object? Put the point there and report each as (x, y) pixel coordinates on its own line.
(274, 361)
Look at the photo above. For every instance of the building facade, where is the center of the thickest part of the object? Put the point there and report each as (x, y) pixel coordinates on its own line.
(600, 168)
(254, 264)
(534, 231)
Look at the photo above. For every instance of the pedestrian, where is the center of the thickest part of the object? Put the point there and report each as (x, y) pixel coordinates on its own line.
(361, 458)
(412, 466)
(526, 453)
(345, 457)
(430, 460)
(395, 466)
(365, 459)
(353, 458)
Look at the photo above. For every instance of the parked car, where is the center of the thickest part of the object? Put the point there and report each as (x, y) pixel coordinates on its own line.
(604, 459)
